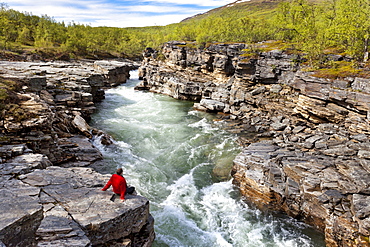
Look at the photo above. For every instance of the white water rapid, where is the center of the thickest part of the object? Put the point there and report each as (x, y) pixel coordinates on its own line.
(168, 152)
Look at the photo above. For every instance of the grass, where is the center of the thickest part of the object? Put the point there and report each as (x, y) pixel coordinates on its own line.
(341, 69)
(255, 9)
(253, 51)
(5, 87)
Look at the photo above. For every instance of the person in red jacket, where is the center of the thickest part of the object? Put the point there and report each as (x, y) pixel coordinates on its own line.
(119, 185)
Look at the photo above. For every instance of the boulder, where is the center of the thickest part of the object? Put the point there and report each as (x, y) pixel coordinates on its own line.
(82, 126)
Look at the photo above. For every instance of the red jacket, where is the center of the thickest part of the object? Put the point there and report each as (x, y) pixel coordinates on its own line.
(118, 183)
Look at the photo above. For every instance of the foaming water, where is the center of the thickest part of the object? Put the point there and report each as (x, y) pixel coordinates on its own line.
(168, 152)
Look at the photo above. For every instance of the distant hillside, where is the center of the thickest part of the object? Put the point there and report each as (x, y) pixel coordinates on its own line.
(310, 27)
(314, 27)
(239, 9)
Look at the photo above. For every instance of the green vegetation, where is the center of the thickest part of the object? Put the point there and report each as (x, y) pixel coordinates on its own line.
(9, 102)
(254, 49)
(312, 27)
(7, 96)
(5, 87)
(339, 69)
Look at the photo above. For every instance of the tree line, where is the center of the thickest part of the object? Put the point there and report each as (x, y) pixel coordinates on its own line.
(314, 27)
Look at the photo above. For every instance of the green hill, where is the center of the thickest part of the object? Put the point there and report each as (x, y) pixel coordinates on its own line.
(313, 27)
(253, 8)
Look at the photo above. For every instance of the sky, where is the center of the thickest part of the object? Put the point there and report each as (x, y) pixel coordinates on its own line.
(116, 13)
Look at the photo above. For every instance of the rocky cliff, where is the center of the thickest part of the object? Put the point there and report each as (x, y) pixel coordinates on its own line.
(310, 155)
(48, 195)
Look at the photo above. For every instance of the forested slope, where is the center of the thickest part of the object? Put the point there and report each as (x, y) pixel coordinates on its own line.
(306, 26)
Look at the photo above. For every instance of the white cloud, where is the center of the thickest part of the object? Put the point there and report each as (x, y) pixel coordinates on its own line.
(122, 13)
(212, 3)
(140, 21)
(153, 9)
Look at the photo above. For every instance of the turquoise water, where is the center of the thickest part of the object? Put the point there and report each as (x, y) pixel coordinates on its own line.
(168, 152)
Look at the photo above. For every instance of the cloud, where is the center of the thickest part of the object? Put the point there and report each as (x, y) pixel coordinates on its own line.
(140, 21)
(117, 13)
(209, 3)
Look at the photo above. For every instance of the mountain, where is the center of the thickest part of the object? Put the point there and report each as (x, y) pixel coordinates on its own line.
(239, 9)
(313, 27)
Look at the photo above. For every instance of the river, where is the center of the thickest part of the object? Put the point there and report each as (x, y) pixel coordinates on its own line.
(168, 151)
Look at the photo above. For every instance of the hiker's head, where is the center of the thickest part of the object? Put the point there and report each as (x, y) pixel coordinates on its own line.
(119, 171)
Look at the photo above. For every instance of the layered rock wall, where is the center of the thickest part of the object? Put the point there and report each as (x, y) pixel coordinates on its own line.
(48, 196)
(310, 155)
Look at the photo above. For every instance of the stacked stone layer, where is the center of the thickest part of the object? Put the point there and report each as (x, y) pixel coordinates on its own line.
(310, 155)
(48, 195)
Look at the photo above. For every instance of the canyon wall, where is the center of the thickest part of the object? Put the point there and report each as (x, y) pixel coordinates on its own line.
(310, 153)
(48, 194)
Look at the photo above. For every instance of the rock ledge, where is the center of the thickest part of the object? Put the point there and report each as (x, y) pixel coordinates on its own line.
(309, 155)
(48, 196)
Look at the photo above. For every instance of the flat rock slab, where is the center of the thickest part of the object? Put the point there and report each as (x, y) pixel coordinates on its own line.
(59, 229)
(38, 74)
(8, 151)
(21, 215)
(24, 163)
(80, 151)
(78, 191)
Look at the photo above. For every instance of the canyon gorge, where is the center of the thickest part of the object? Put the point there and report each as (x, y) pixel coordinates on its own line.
(305, 142)
(310, 153)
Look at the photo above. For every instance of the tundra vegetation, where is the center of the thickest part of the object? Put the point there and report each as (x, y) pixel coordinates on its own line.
(313, 28)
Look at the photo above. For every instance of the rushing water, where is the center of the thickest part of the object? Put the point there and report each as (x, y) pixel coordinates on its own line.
(168, 152)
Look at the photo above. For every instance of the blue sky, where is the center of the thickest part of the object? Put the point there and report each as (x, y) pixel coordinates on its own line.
(117, 13)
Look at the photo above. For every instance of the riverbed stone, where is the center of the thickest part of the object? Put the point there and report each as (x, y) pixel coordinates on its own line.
(222, 168)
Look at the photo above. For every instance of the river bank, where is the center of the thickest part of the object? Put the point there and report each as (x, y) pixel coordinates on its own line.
(49, 196)
(311, 157)
(180, 159)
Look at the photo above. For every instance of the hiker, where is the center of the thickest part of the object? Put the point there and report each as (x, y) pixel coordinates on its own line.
(119, 185)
